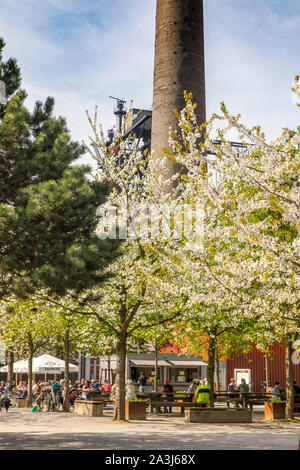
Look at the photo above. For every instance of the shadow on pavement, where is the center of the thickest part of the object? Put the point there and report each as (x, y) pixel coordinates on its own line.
(151, 441)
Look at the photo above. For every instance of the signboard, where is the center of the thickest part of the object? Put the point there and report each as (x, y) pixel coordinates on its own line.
(240, 374)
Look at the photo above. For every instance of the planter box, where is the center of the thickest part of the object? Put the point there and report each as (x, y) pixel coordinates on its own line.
(88, 408)
(135, 410)
(21, 402)
(274, 410)
(218, 415)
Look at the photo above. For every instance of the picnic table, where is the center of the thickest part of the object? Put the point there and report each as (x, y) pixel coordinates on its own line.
(248, 399)
(155, 399)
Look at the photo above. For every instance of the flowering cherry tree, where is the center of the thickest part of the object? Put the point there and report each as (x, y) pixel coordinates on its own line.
(248, 263)
(133, 296)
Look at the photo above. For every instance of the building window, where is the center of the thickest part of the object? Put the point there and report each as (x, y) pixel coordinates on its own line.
(184, 375)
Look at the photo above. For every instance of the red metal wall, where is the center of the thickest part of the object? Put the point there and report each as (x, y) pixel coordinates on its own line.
(255, 361)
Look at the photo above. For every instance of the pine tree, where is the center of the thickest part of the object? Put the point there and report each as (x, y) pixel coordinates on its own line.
(10, 75)
(47, 204)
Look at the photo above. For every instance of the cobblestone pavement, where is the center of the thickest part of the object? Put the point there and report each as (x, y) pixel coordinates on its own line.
(20, 429)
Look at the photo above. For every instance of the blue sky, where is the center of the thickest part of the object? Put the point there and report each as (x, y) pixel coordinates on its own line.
(81, 52)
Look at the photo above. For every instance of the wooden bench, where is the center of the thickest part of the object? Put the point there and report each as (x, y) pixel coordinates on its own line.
(262, 401)
(99, 399)
(255, 401)
(237, 401)
(174, 404)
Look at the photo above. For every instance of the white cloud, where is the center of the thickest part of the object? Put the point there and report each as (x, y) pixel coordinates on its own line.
(82, 52)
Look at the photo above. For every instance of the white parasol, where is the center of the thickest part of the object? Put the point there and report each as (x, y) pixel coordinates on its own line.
(44, 364)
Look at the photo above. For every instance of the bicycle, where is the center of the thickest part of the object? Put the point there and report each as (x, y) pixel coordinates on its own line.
(52, 399)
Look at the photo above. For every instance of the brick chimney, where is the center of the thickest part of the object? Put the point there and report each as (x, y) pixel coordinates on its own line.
(179, 65)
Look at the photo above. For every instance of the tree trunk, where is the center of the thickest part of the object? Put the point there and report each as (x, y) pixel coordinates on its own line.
(211, 369)
(30, 375)
(267, 370)
(218, 369)
(119, 410)
(109, 370)
(156, 367)
(10, 363)
(289, 410)
(66, 402)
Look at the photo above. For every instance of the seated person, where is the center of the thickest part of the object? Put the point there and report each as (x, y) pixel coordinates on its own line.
(94, 385)
(167, 388)
(106, 388)
(86, 389)
(130, 390)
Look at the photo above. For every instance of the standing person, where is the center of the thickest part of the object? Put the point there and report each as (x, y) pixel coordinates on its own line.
(167, 388)
(202, 394)
(142, 381)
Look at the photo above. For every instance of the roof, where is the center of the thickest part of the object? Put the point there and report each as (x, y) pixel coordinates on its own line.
(148, 362)
(188, 363)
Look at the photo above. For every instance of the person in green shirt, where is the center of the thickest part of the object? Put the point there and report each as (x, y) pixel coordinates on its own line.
(202, 394)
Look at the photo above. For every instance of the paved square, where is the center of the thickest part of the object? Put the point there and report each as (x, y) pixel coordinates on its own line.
(20, 429)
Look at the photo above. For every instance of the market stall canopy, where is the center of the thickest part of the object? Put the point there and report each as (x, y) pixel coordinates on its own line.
(148, 362)
(51, 364)
(188, 363)
(20, 367)
(44, 364)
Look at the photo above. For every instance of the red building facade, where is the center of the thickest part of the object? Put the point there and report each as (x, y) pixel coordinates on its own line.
(256, 361)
